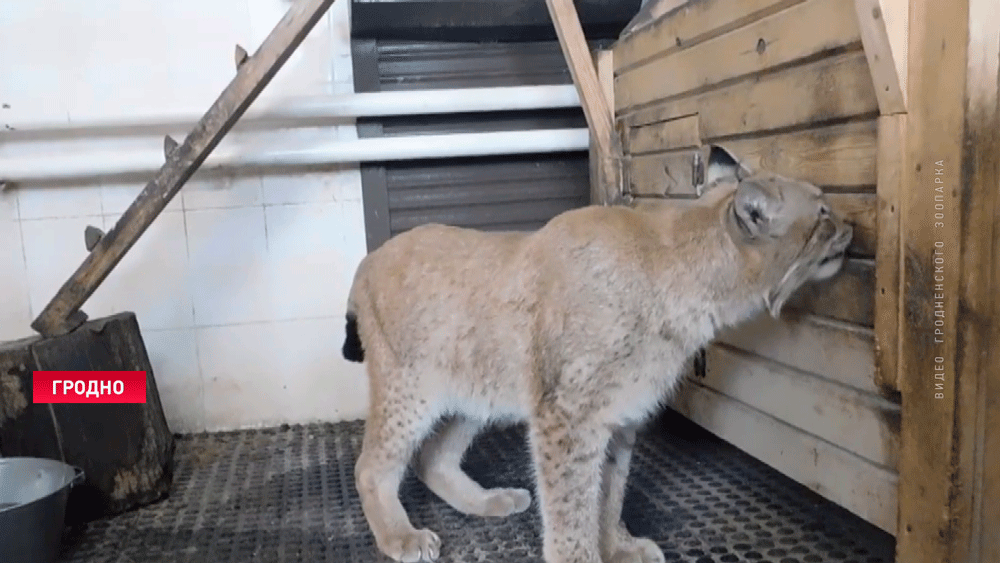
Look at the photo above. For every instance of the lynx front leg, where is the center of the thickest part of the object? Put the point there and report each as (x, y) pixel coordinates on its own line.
(568, 454)
(617, 544)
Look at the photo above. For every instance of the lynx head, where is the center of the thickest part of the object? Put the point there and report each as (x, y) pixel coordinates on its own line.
(787, 223)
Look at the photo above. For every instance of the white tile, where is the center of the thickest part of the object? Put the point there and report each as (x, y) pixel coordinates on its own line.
(34, 60)
(307, 71)
(8, 205)
(342, 88)
(201, 62)
(311, 260)
(272, 373)
(174, 357)
(343, 183)
(152, 279)
(15, 310)
(114, 75)
(57, 202)
(117, 197)
(54, 249)
(217, 192)
(340, 28)
(343, 69)
(227, 248)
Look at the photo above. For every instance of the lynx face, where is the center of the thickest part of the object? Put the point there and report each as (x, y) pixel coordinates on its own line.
(788, 221)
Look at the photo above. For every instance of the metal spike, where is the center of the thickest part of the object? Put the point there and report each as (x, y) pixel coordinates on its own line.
(169, 146)
(91, 236)
(241, 56)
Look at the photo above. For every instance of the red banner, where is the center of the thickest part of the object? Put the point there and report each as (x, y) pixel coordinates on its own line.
(89, 387)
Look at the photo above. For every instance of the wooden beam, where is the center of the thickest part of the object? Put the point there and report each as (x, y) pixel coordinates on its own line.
(691, 24)
(605, 167)
(798, 33)
(581, 66)
(861, 423)
(63, 314)
(884, 41)
(948, 459)
(891, 169)
(831, 88)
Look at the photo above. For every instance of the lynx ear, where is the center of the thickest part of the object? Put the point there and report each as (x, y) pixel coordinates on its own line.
(722, 165)
(755, 209)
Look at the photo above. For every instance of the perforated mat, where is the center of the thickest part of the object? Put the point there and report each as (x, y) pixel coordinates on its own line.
(288, 495)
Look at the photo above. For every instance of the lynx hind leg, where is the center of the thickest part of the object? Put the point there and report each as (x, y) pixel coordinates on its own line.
(617, 544)
(439, 467)
(396, 424)
(569, 453)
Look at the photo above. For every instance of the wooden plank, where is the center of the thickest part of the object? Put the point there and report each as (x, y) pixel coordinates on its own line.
(989, 479)
(605, 169)
(836, 351)
(841, 155)
(693, 23)
(676, 133)
(831, 88)
(861, 423)
(800, 31)
(581, 66)
(948, 225)
(849, 296)
(890, 84)
(62, 313)
(891, 168)
(666, 174)
(861, 211)
(863, 488)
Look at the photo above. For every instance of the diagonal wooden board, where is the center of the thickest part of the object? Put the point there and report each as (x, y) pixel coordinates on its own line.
(62, 314)
(596, 106)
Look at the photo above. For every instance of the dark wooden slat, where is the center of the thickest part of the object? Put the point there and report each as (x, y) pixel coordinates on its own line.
(62, 314)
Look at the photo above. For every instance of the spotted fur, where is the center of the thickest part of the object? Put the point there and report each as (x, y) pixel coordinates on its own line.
(582, 329)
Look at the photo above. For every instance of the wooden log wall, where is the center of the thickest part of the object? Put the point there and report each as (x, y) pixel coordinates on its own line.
(786, 85)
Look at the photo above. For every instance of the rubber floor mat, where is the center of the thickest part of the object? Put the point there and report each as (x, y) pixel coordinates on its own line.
(287, 495)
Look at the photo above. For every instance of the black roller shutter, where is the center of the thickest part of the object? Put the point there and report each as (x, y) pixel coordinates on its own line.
(518, 192)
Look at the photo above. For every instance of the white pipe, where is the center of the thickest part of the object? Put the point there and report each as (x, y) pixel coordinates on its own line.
(373, 104)
(42, 168)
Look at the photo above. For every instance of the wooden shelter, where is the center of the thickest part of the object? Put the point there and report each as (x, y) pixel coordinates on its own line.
(879, 390)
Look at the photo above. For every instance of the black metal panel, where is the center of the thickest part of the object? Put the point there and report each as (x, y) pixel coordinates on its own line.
(401, 45)
(481, 20)
(518, 192)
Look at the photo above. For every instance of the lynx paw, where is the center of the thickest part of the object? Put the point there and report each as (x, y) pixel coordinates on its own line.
(413, 546)
(504, 502)
(637, 550)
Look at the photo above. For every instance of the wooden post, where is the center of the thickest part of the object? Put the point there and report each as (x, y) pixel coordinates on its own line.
(605, 168)
(891, 165)
(949, 496)
(63, 314)
(596, 107)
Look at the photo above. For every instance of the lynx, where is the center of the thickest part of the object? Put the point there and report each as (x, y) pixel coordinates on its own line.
(582, 329)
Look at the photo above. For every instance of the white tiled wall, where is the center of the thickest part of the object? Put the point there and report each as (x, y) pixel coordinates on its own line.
(240, 285)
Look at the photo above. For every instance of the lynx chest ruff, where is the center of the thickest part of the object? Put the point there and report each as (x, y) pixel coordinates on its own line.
(581, 329)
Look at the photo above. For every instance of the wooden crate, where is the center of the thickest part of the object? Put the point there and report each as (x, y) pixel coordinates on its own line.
(840, 93)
